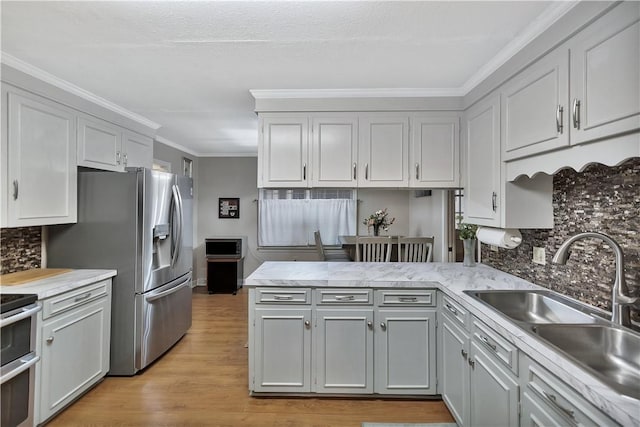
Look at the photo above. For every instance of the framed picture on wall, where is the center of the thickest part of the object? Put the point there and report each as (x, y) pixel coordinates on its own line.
(187, 167)
(228, 207)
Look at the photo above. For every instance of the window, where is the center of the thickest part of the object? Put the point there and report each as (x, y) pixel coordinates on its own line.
(289, 217)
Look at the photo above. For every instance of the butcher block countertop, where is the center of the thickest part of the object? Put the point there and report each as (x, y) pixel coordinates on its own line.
(51, 282)
(452, 279)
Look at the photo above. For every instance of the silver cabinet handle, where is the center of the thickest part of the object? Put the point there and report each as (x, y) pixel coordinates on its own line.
(283, 297)
(15, 189)
(559, 125)
(552, 398)
(451, 309)
(355, 175)
(49, 340)
(366, 171)
(417, 171)
(463, 353)
(125, 159)
(370, 324)
(307, 324)
(486, 342)
(83, 297)
(472, 363)
(345, 297)
(304, 171)
(118, 156)
(494, 201)
(576, 113)
(383, 326)
(407, 299)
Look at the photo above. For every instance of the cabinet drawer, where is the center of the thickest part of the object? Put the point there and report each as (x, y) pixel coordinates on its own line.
(75, 298)
(344, 296)
(283, 296)
(554, 393)
(420, 298)
(503, 350)
(454, 310)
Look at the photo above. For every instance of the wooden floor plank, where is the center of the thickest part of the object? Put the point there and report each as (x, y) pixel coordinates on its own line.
(202, 381)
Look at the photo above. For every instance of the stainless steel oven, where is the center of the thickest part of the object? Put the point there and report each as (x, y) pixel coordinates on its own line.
(18, 358)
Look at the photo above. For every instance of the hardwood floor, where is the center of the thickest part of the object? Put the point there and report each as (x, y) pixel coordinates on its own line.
(202, 381)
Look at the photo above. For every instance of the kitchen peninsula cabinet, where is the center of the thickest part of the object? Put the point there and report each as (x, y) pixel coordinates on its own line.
(39, 158)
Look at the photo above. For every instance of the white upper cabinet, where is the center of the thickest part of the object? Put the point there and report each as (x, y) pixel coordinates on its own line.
(285, 150)
(534, 108)
(482, 147)
(99, 144)
(103, 145)
(334, 150)
(435, 151)
(383, 150)
(138, 150)
(605, 76)
(40, 185)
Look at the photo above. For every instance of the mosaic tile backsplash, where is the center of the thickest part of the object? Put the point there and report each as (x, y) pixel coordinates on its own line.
(20, 249)
(601, 198)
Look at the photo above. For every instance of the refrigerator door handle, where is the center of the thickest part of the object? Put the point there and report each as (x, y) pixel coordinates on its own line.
(169, 291)
(176, 237)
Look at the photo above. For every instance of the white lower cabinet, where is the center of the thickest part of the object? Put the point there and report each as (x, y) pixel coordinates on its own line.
(74, 344)
(343, 350)
(282, 356)
(454, 369)
(339, 343)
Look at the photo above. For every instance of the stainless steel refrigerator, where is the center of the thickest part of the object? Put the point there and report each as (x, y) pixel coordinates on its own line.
(139, 223)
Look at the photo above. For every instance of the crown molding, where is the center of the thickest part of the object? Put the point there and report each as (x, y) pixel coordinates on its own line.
(550, 15)
(175, 145)
(354, 93)
(49, 78)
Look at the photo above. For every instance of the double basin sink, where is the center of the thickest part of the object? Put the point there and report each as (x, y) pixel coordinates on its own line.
(610, 352)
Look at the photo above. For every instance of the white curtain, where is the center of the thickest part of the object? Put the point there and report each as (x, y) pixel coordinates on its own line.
(292, 222)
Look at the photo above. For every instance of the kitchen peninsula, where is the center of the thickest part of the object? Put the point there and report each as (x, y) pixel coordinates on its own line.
(300, 312)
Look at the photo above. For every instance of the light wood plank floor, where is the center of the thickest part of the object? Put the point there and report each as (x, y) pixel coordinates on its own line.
(202, 381)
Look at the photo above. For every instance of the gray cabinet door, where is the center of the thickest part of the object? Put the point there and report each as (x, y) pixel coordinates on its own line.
(482, 159)
(405, 352)
(282, 359)
(455, 370)
(435, 151)
(343, 350)
(494, 392)
(284, 154)
(335, 150)
(383, 150)
(100, 145)
(605, 65)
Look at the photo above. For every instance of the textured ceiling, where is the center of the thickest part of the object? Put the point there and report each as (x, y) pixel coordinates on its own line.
(189, 65)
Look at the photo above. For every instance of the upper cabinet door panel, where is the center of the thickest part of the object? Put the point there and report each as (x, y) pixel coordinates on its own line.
(435, 151)
(138, 150)
(534, 108)
(99, 144)
(41, 162)
(605, 70)
(285, 151)
(383, 151)
(335, 151)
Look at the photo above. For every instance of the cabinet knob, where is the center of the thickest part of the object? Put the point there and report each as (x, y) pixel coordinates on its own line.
(355, 176)
(118, 154)
(125, 159)
(494, 201)
(49, 340)
(307, 324)
(370, 324)
(15, 189)
(366, 171)
(472, 363)
(304, 172)
(464, 354)
(417, 171)
(383, 326)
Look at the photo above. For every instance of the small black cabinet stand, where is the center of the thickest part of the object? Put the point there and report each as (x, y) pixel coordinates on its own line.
(224, 275)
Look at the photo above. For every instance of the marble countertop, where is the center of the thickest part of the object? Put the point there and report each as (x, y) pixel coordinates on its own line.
(453, 279)
(56, 285)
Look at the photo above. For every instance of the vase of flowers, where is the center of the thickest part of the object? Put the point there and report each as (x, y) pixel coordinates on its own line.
(378, 220)
(467, 234)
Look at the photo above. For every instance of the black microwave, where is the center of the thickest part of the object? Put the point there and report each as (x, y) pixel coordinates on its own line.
(225, 247)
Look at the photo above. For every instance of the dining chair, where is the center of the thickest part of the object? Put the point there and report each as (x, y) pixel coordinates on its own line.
(373, 249)
(323, 255)
(415, 249)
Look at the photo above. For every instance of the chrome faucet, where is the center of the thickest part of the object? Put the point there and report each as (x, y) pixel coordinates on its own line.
(620, 299)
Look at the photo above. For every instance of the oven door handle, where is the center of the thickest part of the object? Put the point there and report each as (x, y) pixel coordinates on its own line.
(27, 311)
(18, 366)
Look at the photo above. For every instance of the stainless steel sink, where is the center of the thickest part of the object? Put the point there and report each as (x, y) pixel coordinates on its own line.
(538, 306)
(611, 353)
